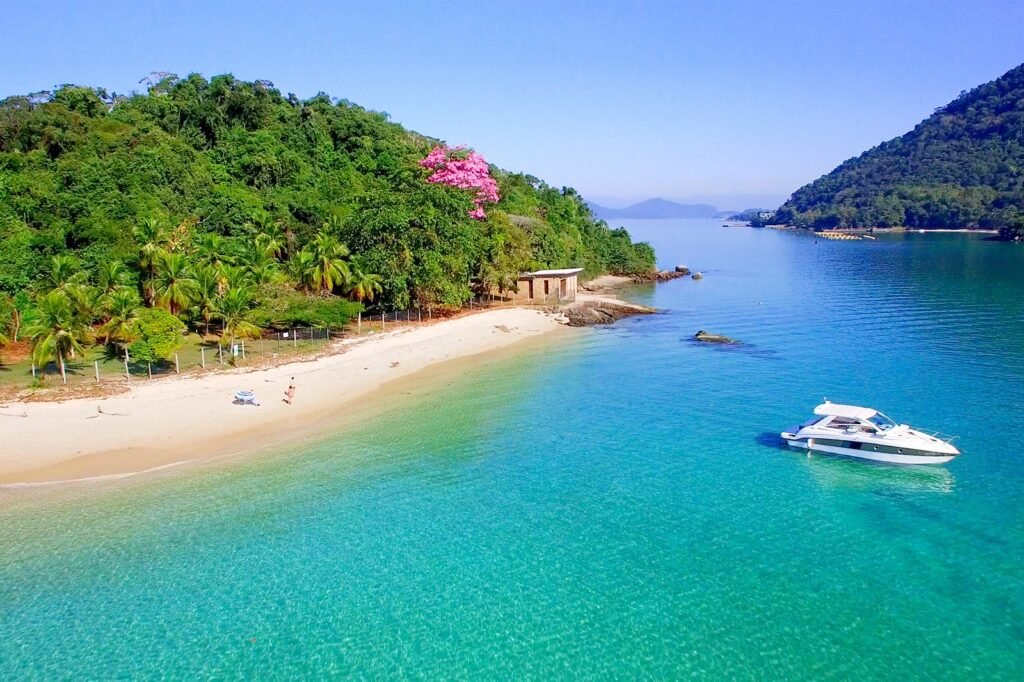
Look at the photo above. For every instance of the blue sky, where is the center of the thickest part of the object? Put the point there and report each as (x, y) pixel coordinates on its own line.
(737, 103)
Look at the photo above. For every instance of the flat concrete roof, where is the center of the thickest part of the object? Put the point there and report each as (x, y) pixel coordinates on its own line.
(552, 273)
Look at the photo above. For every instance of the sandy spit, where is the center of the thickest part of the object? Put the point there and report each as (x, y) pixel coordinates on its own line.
(160, 423)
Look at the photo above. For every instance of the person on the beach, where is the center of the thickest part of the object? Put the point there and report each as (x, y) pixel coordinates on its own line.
(289, 395)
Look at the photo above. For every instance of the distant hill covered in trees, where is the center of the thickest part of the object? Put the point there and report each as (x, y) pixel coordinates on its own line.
(962, 167)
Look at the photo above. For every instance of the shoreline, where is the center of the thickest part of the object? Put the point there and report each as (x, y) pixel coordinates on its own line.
(890, 230)
(187, 420)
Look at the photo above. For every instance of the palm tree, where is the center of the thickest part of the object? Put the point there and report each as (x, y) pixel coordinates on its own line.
(233, 278)
(270, 234)
(334, 225)
(152, 236)
(254, 254)
(174, 286)
(259, 264)
(207, 294)
(234, 313)
(272, 241)
(212, 250)
(363, 286)
(65, 274)
(88, 303)
(261, 221)
(325, 267)
(55, 331)
(122, 307)
(265, 273)
(300, 267)
(112, 275)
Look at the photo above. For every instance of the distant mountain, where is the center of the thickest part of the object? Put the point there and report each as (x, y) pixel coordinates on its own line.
(655, 208)
(961, 167)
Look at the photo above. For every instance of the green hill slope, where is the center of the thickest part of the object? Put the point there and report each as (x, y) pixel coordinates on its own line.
(226, 161)
(961, 167)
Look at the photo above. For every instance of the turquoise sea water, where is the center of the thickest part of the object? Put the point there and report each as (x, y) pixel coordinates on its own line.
(615, 507)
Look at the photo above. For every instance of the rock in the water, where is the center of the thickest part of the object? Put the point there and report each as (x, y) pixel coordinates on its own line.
(601, 312)
(698, 275)
(658, 276)
(708, 337)
(683, 269)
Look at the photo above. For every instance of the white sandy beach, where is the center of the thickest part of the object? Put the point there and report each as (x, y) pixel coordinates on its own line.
(166, 421)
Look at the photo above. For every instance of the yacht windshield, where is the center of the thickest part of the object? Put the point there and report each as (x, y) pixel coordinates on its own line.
(882, 422)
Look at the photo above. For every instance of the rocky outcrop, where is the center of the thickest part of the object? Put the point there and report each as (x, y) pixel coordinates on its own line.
(587, 313)
(697, 275)
(660, 275)
(708, 337)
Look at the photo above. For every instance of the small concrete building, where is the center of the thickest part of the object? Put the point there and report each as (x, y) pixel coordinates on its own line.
(548, 286)
(543, 287)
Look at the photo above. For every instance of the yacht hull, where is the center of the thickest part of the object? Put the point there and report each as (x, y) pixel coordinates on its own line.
(867, 453)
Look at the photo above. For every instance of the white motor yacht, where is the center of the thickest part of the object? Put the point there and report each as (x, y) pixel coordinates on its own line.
(862, 432)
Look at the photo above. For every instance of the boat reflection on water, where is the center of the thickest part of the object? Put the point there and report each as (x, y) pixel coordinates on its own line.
(850, 474)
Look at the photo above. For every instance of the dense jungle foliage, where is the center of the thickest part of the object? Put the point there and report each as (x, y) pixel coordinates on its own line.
(962, 167)
(234, 207)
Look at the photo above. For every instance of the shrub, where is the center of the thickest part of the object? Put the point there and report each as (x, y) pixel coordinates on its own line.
(157, 335)
(281, 307)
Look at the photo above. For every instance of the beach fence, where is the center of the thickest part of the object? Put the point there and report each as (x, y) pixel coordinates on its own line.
(101, 365)
(376, 321)
(109, 364)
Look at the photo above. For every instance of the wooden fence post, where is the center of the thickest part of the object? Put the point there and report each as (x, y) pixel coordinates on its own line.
(96, 364)
(202, 354)
(177, 367)
(359, 324)
(150, 369)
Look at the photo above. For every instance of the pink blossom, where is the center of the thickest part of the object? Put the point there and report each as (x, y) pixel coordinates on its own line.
(466, 170)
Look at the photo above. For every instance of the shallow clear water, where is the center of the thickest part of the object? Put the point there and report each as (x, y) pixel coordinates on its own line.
(618, 506)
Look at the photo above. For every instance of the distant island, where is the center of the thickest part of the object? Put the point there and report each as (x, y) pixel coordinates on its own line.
(656, 209)
(962, 167)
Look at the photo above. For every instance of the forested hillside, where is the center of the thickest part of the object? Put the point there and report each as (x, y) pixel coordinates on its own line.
(226, 203)
(961, 167)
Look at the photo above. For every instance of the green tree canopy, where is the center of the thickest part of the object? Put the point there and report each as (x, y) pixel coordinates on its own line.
(156, 334)
(232, 173)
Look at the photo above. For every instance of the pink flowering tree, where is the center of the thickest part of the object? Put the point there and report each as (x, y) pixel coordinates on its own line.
(457, 167)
